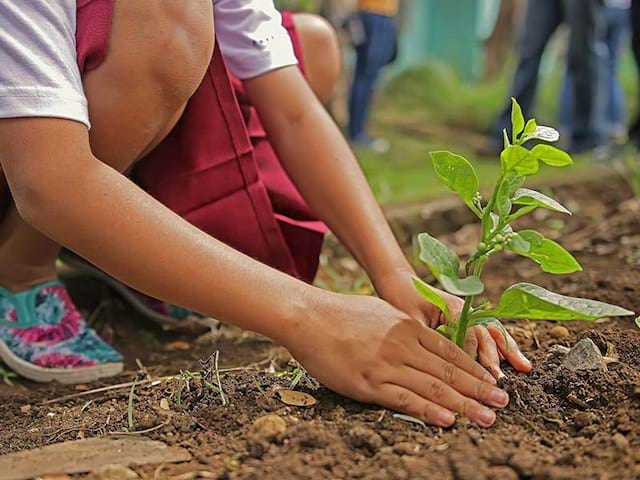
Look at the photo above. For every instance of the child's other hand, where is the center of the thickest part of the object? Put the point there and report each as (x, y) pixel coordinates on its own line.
(485, 344)
(366, 349)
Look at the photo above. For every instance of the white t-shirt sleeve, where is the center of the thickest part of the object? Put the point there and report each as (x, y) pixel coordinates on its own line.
(39, 75)
(251, 37)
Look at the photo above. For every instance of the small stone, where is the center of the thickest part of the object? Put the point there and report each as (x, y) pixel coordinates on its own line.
(113, 472)
(364, 438)
(620, 441)
(164, 404)
(584, 355)
(268, 427)
(25, 408)
(584, 419)
(559, 332)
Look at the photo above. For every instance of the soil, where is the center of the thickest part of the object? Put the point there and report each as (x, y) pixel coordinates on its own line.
(559, 425)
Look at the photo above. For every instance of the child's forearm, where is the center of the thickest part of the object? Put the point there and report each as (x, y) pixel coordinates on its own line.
(85, 205)
(322, 165)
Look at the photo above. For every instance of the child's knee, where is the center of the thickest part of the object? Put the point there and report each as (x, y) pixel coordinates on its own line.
(321, 52)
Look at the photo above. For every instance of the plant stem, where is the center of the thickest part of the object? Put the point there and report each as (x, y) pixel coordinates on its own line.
(461, 331)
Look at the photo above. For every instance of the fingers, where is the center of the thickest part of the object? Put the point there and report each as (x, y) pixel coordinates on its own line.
(510, 350)
(448, 351)
(403, 400)
(471, 343)
(488, 352)
(449, 396)
(457, 381)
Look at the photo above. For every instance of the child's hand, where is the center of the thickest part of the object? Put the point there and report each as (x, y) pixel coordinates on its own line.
(366, 349)
(485, 344)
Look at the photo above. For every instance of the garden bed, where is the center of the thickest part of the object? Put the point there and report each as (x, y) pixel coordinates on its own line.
(559, 425)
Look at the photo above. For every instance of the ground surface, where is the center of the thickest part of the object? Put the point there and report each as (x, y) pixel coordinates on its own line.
(558, 425)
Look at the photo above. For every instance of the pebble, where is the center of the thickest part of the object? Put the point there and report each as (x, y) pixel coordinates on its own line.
(584, 355)
(559, 332)
(268, 427)
(584, 419)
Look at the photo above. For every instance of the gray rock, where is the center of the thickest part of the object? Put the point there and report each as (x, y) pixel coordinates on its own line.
(584, 355)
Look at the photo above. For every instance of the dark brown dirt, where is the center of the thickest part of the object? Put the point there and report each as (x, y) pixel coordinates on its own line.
(559, 425)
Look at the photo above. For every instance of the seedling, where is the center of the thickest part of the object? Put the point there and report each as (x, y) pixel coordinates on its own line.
(522, 300)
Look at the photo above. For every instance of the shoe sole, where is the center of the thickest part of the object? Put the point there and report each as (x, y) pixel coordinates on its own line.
(76, 265)
(67, 376)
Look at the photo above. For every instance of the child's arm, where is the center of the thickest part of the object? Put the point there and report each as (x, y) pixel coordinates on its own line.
(69, 195)
(322, 165)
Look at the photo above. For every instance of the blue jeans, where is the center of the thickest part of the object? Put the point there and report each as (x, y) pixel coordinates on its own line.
(586, 20)
(618, 21)
(373, 54)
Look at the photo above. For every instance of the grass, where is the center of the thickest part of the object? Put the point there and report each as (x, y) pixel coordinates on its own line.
(429, 108)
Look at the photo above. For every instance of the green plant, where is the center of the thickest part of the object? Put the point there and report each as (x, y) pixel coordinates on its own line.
(496, 215)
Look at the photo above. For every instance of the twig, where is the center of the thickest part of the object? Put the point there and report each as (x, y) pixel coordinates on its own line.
(130, 408)
(152, 429)
(222, 395)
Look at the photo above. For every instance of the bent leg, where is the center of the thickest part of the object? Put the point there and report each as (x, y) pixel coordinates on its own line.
(158, 54)
(321, 53)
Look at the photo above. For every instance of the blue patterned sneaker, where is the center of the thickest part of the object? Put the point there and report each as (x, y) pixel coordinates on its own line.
(168, 316)
(44, 338)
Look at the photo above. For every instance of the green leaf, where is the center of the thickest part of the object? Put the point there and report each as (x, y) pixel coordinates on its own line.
(525, 300)
(638, 322)
(525, 196)
(551, 256)
(518, 160)
(444, 330)
(517, 119)
(546, 134)
(440, 259)
(551, 155)
(471, 285)
(529, 129)
(457, 173)
(445, 265)
(509, 185)
(431, 296)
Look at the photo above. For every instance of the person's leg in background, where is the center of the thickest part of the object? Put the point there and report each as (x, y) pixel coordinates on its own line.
(321, 53)
(586, 61)
(617, 31)
(634, 129)
(372, 55)
(541, 19)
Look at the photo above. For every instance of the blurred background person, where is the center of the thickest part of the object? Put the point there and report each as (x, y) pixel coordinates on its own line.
(374, 34)
(611, 93)
(586, 21)
(634, 129)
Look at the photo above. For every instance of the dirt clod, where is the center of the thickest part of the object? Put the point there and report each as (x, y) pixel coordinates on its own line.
(364, 438)
(559, 332)
(268, 427)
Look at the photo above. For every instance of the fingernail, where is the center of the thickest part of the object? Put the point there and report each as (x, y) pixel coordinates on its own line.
(486, 417)
(501, 375)
(446, 419)
(499, 398)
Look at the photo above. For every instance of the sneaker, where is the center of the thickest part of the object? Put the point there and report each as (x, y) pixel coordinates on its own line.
(44, 338)
(166, 315)
(376, 145)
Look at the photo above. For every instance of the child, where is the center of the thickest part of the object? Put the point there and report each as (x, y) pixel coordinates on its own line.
(150, 96)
